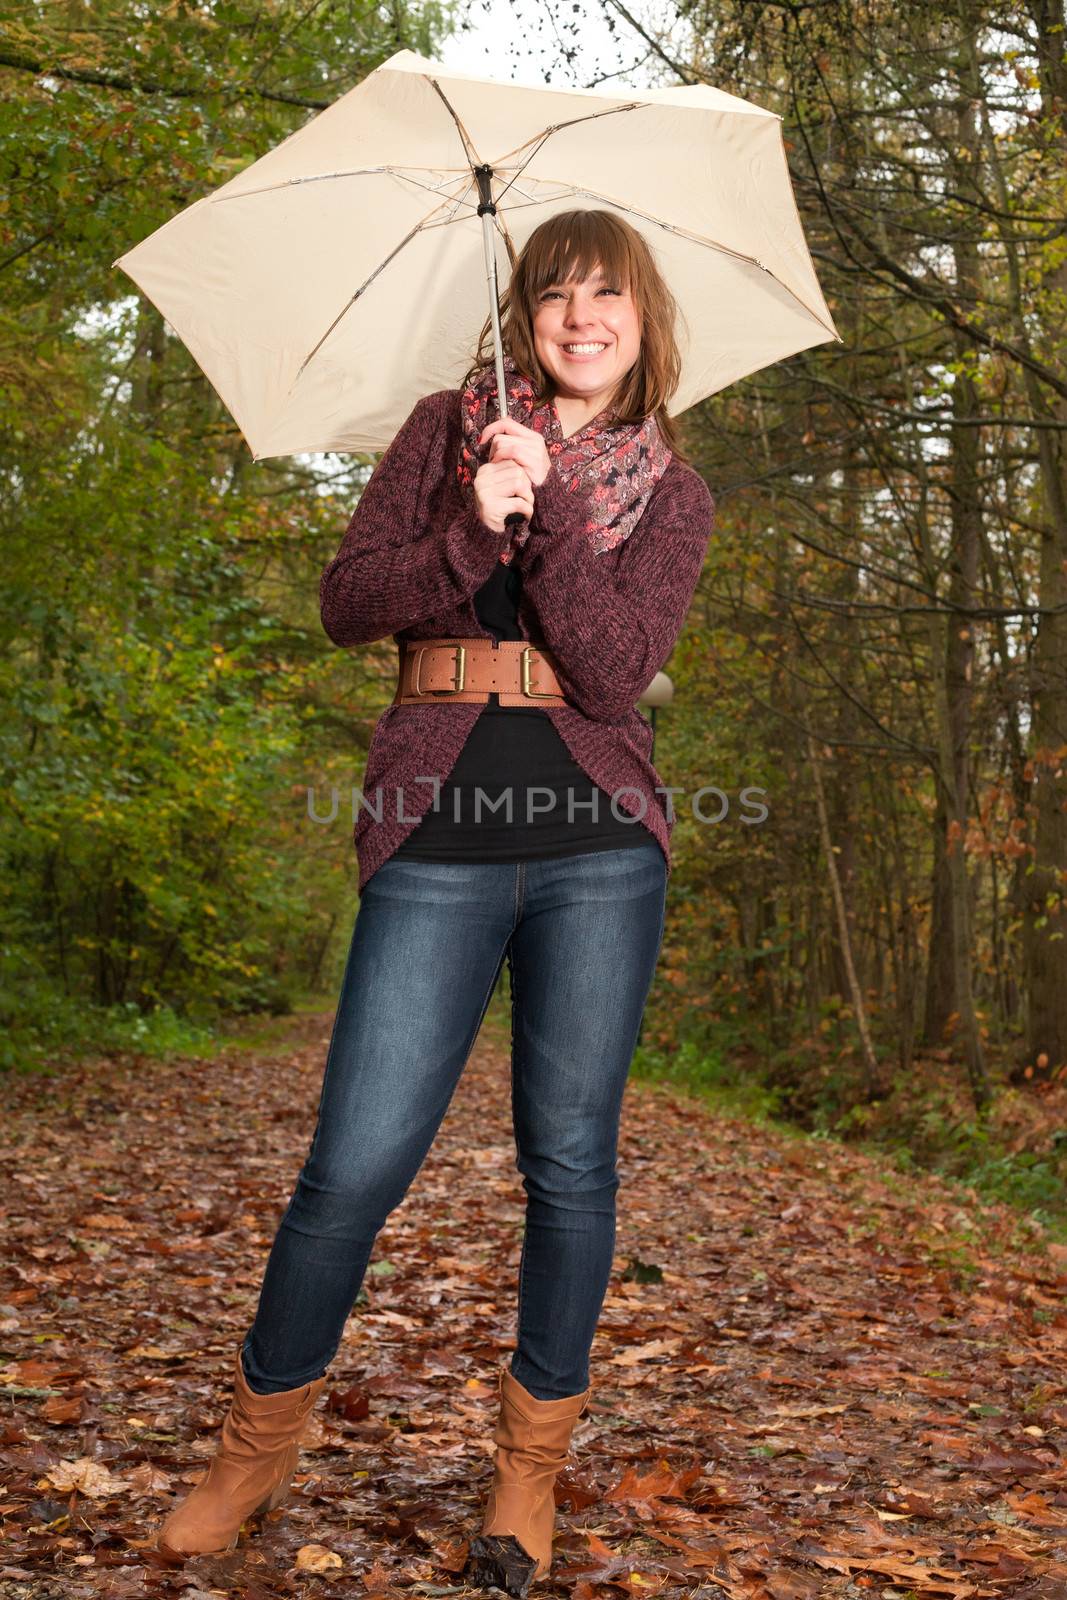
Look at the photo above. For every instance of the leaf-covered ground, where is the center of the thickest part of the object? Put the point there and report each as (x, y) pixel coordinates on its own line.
(810, 1379)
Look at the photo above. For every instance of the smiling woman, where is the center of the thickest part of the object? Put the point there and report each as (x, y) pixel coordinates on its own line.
(588, 277)
(522, 657)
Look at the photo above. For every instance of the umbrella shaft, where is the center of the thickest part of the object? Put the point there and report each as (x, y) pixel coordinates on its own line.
(487, 210)
(494, 309)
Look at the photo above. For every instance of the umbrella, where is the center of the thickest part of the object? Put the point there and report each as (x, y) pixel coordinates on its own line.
(333, 282)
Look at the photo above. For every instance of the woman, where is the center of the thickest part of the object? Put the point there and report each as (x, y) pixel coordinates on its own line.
(534, 643)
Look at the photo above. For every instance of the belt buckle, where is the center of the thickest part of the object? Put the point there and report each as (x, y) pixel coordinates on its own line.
(460, 672)
(534, 694)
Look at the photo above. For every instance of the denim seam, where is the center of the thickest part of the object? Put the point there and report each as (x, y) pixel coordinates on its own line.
(515, 1009)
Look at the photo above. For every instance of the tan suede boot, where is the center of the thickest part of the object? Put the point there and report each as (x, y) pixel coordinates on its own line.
(533, 1440)
(249, 1473)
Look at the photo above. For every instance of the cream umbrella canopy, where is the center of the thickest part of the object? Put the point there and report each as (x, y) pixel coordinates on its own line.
(345, 274)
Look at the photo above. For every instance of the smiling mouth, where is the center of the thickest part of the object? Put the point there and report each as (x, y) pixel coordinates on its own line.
(592, 347)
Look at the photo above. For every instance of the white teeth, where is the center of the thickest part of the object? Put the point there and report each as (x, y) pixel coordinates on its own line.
(583, 349)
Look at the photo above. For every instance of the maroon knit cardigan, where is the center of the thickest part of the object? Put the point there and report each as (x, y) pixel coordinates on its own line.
(411, 560)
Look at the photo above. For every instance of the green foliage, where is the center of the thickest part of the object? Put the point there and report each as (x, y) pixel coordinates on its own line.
(711, 1074)
(938, 1138)
(168, 696)
(41, 1025)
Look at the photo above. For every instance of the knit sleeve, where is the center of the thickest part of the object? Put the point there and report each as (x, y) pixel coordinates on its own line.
(394, 566)
(611, 632)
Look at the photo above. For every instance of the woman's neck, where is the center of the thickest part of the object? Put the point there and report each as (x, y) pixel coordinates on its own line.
(574, 411)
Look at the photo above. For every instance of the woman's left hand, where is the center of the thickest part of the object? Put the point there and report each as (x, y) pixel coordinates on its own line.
(513, 442)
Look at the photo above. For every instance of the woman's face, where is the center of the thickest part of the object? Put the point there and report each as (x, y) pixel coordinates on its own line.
(594, 313)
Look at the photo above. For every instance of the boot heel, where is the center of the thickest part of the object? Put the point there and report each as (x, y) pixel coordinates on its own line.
(532, 1437)
(275, 1498)
(498, 1561)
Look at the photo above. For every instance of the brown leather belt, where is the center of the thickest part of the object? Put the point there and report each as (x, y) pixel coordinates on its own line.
(467, 671)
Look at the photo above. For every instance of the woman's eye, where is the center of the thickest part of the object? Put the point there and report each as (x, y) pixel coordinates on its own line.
(605, 290)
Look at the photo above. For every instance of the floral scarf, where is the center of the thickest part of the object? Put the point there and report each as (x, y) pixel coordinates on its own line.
(615, 465)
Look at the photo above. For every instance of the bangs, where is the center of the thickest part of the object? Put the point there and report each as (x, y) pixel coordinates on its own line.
(572, 246)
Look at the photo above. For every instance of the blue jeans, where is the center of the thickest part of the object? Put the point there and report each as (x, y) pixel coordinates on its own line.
(582, 935)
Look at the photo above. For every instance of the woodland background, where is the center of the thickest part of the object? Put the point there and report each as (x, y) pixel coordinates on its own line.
(879, 640)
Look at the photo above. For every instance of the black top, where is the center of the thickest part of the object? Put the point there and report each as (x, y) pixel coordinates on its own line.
(516, 748)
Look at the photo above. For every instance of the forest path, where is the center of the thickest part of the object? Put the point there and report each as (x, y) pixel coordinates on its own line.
(811, 1378)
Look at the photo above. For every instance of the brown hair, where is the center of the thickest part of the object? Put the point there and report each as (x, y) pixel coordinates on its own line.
(569, 245)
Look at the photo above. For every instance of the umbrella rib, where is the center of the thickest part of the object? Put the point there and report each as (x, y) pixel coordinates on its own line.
(396, 168)
(459, 200)
(468, 142)
(418, 228)
(687, 233)
(364, 285)
(472, 157)
(538, 139)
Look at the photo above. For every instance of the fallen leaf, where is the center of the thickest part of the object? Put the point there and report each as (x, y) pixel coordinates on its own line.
(645, 1352)
(316, 1558)
(88, 1477)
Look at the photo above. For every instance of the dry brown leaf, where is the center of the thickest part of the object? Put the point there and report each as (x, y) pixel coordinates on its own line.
(645, 1352)
(88, 1477)
(316, 1558)
(147, 1479)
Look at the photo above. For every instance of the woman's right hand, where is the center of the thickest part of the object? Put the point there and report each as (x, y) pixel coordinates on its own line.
(501, 487)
